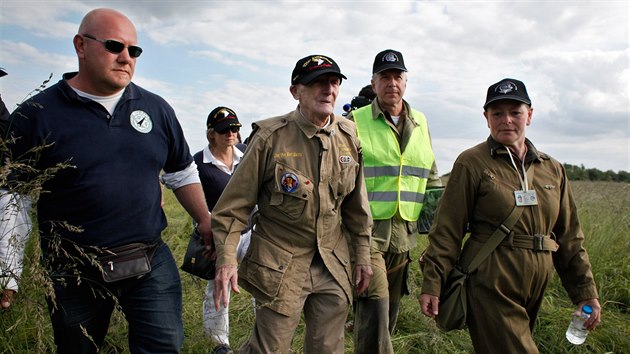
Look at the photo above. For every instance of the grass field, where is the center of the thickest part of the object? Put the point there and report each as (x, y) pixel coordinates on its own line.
(604, 209)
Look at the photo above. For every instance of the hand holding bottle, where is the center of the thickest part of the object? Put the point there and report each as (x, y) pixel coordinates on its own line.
(586, 318)
(595, 317)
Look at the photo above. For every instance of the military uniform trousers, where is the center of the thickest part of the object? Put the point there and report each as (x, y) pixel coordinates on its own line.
(325, 307)
(504, 297)
(377, 309)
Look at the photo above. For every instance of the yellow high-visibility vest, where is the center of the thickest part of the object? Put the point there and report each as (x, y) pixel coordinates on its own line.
(394, 180)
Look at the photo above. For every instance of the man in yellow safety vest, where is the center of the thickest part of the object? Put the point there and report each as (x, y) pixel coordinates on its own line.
(398, 165)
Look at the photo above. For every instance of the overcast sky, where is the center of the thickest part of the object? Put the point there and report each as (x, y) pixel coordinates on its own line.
(572, 55)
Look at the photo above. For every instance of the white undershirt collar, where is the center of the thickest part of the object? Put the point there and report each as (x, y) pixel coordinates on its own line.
(209, 158)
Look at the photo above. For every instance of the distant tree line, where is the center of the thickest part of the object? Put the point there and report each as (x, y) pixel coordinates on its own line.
(580, 173)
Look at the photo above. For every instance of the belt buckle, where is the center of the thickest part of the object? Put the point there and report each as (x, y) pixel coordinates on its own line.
(539, 242)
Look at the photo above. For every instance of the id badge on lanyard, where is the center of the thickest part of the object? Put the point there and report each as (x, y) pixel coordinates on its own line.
(525, 196)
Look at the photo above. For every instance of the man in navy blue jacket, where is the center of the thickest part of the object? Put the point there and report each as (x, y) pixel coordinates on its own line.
(117, 139)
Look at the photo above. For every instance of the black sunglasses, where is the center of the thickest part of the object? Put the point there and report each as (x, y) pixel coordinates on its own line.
(116, 47)
(229, 129)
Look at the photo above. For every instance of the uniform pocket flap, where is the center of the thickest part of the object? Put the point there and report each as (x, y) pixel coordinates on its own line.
(268, 254)
(265, 265)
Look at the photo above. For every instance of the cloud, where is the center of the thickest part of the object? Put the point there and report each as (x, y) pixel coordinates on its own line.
(572, 55)
(28, 68)
(225, 59)
(20, 53)
(45, 19)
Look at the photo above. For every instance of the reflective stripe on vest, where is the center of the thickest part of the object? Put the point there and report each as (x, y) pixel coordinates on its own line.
(394, 181)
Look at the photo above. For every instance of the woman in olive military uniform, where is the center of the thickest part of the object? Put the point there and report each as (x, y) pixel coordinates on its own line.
(486, 183)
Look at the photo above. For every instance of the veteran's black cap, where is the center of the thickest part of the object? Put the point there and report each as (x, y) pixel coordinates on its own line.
(388, 59)
(309, 68)
(221, 118)
(507, 89)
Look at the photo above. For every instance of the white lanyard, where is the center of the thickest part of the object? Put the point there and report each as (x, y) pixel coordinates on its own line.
(522, 180)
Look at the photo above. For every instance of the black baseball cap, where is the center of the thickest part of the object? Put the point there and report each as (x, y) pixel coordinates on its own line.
(507, 89)
(388, 59)
(222, 118)
(2, 72)
(309, 68)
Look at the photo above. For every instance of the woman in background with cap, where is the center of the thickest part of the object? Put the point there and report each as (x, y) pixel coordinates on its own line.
(216, 164)
(486, 183)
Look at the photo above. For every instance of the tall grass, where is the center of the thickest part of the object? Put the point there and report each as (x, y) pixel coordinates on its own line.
(604, 209)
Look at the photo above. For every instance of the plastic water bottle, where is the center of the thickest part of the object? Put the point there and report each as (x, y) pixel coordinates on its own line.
(576, 333)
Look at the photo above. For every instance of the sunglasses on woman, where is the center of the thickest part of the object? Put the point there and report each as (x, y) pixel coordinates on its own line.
(116, 47)
(229, 129)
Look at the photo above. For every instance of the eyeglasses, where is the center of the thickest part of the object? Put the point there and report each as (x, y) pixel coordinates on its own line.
(229, 129)
(116, 47)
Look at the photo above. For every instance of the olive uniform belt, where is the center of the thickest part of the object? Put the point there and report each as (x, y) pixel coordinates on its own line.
(532, 242)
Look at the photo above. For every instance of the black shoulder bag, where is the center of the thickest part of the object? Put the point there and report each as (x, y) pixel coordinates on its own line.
(195, 262)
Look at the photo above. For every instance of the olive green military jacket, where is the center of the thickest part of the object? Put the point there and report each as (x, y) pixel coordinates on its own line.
(308, 184)
(480, 193)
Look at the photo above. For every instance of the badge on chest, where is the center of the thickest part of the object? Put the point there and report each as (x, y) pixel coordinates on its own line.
(525, 198)
(289, 182)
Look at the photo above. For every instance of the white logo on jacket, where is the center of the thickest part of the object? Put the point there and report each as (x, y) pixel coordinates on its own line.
(141, 121)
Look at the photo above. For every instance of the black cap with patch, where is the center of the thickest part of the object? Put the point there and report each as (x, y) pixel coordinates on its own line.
(507, 89)
(388, 59)
(221, 118)
(309, 68)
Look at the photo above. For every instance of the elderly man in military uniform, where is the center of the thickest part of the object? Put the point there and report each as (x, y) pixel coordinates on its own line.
(299, 257)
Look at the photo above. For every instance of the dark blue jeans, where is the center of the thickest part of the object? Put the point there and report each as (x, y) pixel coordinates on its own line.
(152, 306)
